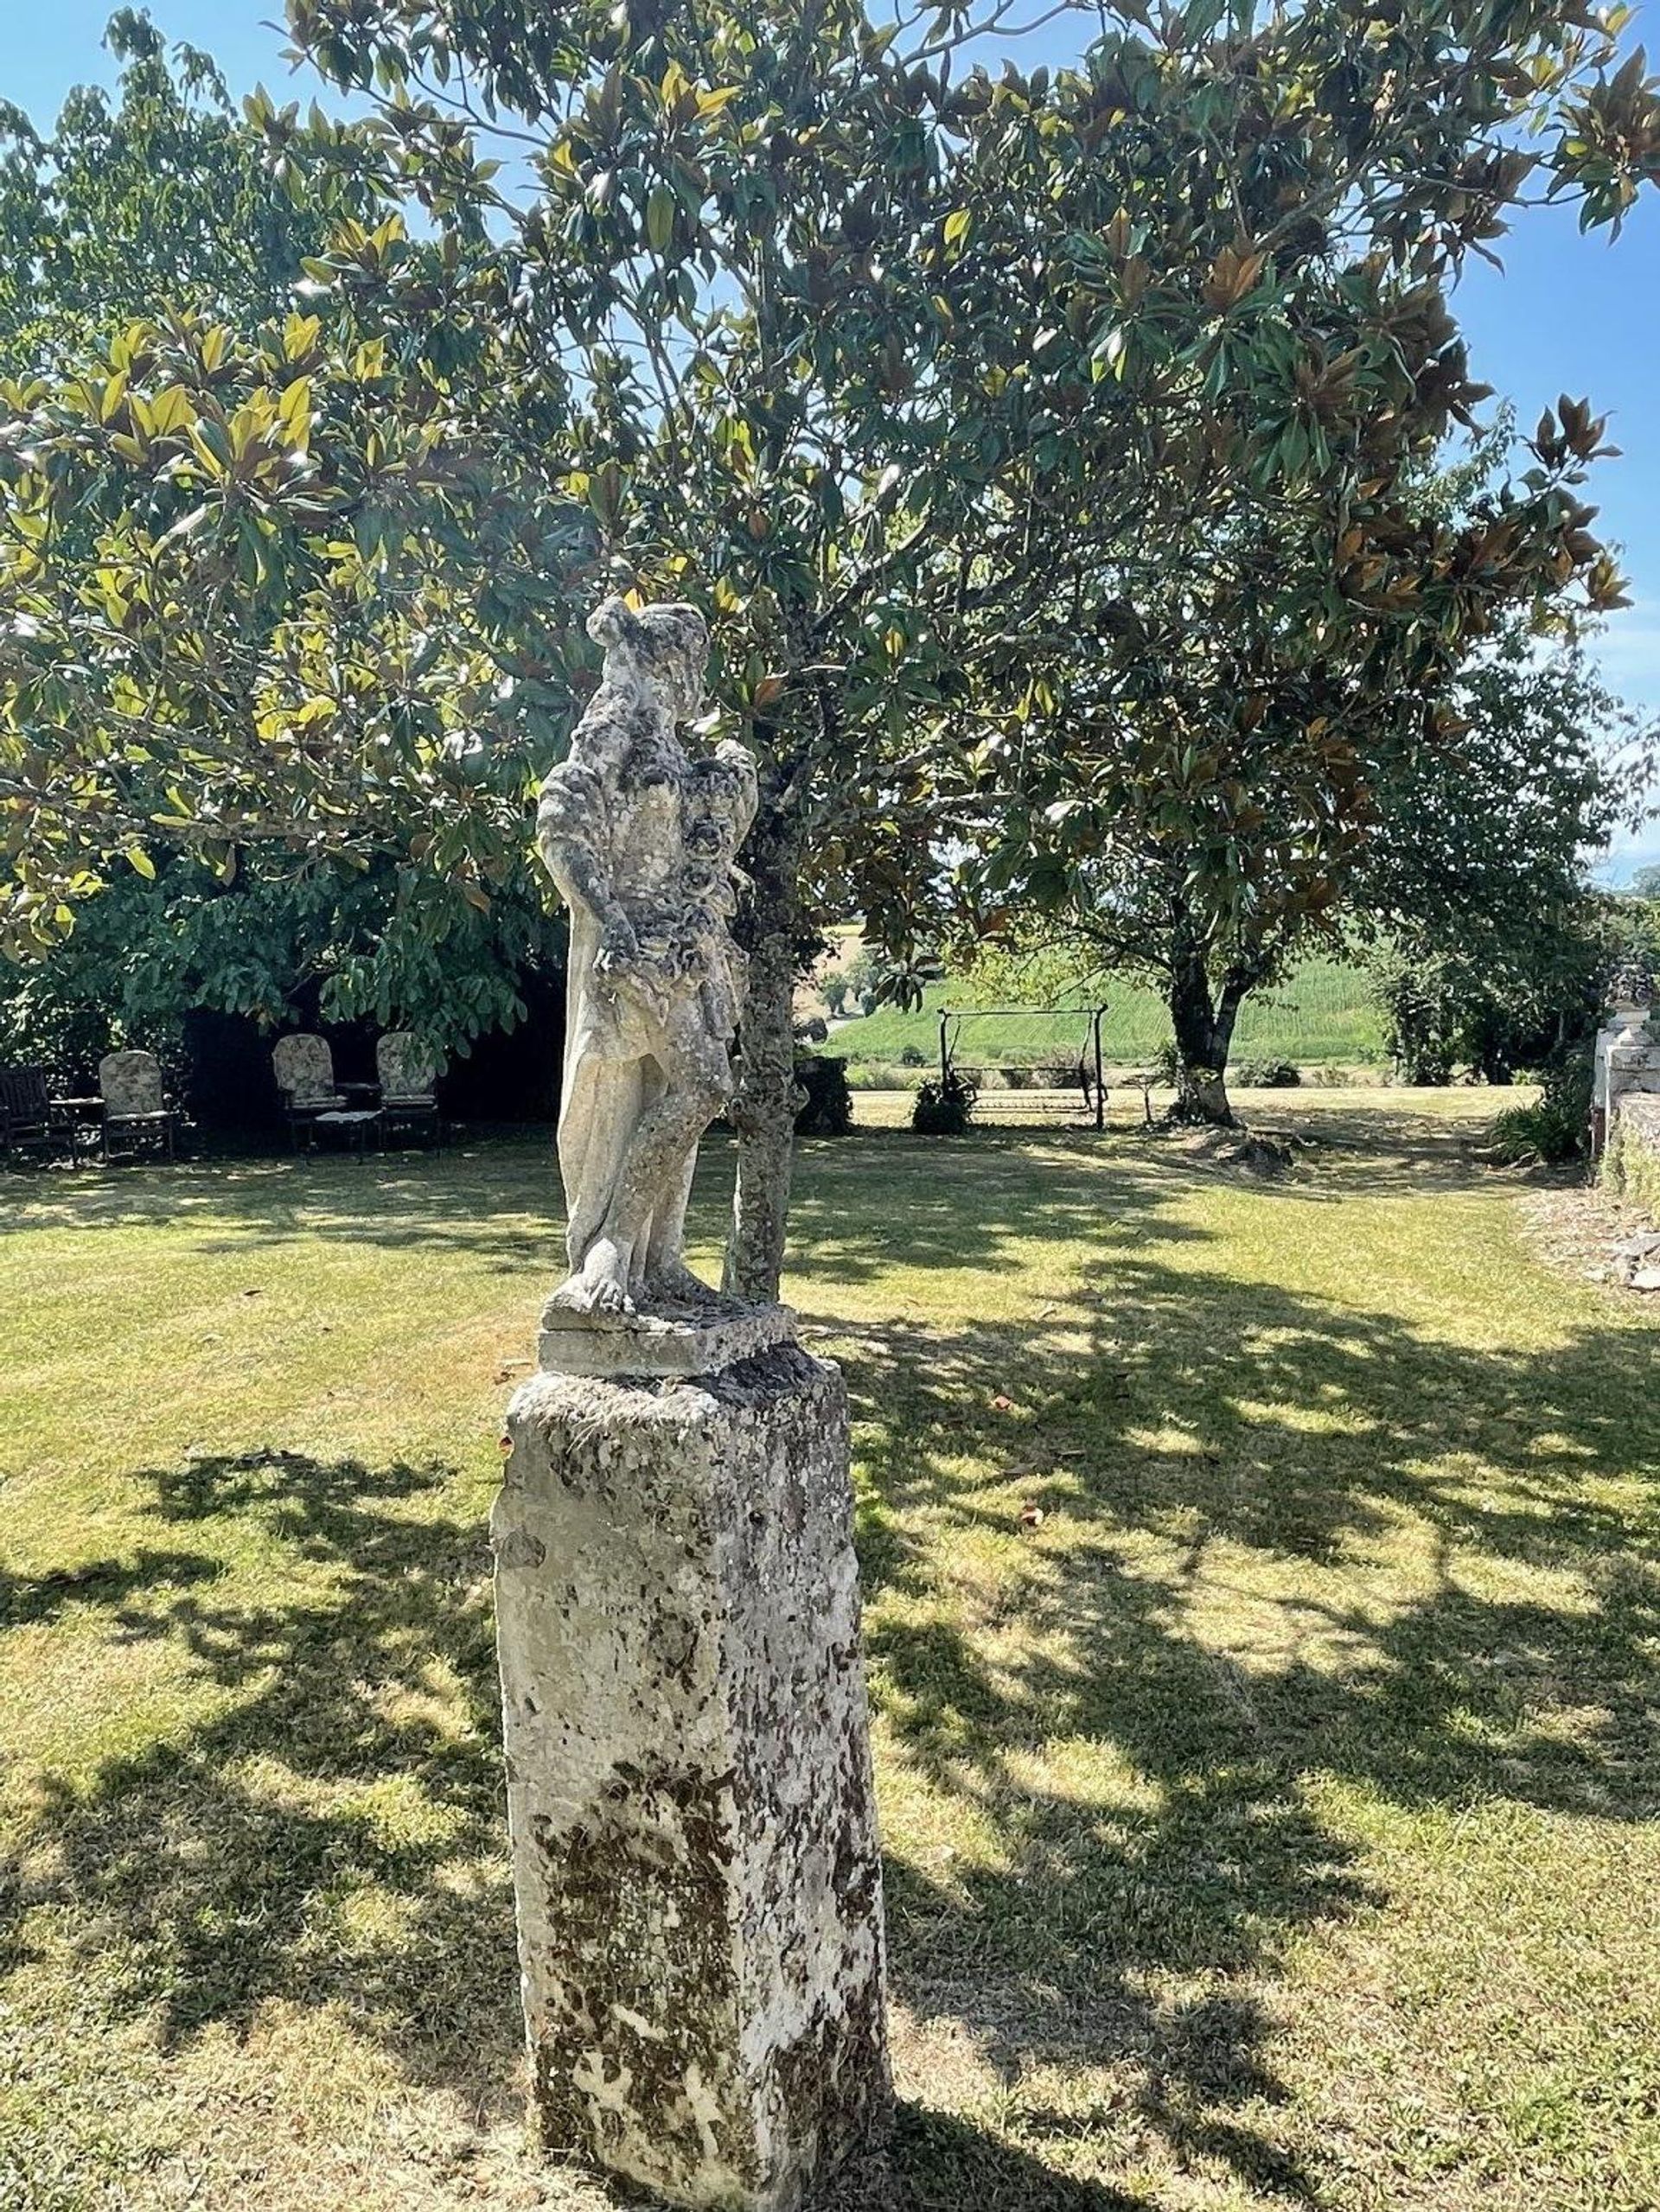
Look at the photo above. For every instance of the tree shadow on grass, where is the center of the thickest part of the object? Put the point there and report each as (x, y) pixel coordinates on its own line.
(503, 1204)
(335, 1834)
(1062, 1952)
(1180, 1414)
(30, 1601)
(357, 1761)
(500, 1201)
(863, 1204)
(938, 2164)
(1397, 1152)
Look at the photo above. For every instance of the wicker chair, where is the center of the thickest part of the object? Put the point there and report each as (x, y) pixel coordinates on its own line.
(408, 1073)
(30, 1119)
(136, 1113)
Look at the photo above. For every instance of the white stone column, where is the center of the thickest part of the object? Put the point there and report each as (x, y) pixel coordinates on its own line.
(1626, 1058)
(688, 1768)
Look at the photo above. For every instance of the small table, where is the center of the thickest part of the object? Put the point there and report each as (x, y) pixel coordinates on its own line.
(69, 1114)
(354, 1125)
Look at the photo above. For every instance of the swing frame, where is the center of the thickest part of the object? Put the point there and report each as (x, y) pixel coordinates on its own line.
(1091, 1074)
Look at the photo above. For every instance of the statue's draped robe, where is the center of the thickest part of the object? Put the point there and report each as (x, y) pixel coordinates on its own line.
(611, 1080)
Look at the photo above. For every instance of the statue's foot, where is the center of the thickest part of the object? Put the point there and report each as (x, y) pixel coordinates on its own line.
(599, 1286)
(675, 1282)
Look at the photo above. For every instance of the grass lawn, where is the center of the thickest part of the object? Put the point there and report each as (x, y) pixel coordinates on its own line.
(1322, 1016)
(1357, 1113)
(1272, 1824)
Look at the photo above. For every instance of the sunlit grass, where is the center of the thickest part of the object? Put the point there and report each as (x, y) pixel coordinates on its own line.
(1323, 1013)
(1264, 1640)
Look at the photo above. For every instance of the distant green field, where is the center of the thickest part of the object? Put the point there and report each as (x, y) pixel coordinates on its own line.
(1321, 1017)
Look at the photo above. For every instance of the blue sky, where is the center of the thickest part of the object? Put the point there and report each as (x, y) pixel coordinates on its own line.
(1569, 313)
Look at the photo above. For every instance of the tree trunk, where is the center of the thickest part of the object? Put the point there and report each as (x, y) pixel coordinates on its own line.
(768, 1100)
(1205, 1033)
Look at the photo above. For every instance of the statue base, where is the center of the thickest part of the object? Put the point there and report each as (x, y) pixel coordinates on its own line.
(695, 1861)
(684, 1337)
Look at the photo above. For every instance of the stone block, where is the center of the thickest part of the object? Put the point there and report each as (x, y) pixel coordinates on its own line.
(693, 1339)
(689, 1782)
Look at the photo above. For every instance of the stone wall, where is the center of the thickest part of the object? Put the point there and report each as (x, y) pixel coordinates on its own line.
(1631, 1163)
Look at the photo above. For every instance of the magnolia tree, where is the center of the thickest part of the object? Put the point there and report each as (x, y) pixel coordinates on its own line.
(160, 191)
(1262, 741)
(160, 198)
(1465, 893)
(1489, 948)
(1182, 723)
(958, 402)
(743, 232)
(1064, 427)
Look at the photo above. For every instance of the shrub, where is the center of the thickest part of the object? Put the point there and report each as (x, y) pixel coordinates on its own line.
(945, 1106)
(1558, 1128)
(1267, 1074)
(912, 1055)
(1548, 1132)
(880, 1075)
(99, 991)
(1423, 1020)
(828, 1111)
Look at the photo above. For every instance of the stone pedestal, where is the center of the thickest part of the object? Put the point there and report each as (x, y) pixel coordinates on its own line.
(1626, 1059)
(688, 1770)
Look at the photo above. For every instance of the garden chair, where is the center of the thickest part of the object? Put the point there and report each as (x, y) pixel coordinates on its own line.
(31, 1121)
(135, 1111)
(304, 1069)
(408, 1073)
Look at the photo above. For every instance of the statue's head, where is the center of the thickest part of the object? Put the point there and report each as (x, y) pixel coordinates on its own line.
(666, 646)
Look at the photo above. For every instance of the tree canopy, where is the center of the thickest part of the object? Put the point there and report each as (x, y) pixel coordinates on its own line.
(961, 401)
(190, 709)
(1276, 740)
(160, 194)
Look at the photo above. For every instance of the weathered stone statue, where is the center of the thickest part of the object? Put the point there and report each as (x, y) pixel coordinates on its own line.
(643, 843)
(695, 1863)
